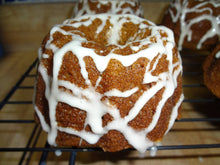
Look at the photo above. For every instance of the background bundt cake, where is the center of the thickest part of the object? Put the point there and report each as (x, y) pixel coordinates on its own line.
(211, 68)
(108, 6)
(195, 23)
(109, 81)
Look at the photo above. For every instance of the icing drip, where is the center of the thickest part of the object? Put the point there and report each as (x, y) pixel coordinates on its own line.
(91, 101)
(217, 54)
(153, 151)
(58, 153)
(116, 7)
(182, 10)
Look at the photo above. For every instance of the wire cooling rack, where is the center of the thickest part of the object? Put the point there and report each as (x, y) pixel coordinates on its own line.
(200, 109)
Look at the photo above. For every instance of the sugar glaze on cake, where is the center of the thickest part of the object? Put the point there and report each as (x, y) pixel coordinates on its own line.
(95, 95)
(108, 6)
(217, 55)
(204, 10)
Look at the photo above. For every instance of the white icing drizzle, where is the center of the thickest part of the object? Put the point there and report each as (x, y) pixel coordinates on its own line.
(90, 101)
(58, 152)
(116, 92)
(217, 54)
(116, 6)
(44, 124)
(182, 10)
(153, 151)
(174, 114)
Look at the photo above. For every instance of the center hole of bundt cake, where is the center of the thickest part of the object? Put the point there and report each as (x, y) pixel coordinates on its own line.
(105, 34)
(121, 38)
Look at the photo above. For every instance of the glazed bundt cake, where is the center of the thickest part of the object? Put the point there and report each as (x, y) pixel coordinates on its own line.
(211, 68)
(195, 23)
(108, 81)
(108, 6)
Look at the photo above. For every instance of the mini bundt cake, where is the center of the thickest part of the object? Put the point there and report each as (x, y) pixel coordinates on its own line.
(108, 81)
(211, 72)
(108, 6)
(195, 23)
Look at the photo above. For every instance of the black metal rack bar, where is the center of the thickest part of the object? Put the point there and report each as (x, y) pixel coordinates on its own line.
(28, 144)
(5, 101)
(72, 159)
(54, 149)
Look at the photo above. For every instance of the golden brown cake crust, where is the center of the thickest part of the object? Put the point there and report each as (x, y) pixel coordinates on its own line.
(116, 76)
(211, 74)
